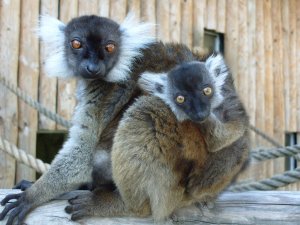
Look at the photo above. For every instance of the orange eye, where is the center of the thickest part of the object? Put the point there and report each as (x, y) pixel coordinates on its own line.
(110, 48)
(180, 99)
(207, 91)
(76, 44)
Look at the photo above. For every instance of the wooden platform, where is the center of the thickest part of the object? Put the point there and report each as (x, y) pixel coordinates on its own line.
(257, 207)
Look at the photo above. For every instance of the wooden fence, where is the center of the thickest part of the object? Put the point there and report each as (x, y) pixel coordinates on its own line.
(262, 41)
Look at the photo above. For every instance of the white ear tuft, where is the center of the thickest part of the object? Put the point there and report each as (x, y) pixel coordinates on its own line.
(218, 70)
(134, 37)
(153, 83)
(51, 32)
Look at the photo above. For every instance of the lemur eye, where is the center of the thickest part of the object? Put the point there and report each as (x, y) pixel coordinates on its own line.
(207, 91)
(180, 99)
(75, 44)
(110, 48)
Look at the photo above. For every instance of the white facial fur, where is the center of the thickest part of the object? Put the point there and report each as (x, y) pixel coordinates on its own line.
(51, 32)
(217, 68)
(149, 82)
(135, 36)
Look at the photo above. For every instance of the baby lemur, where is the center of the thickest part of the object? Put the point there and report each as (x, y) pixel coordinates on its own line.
(182, 144)
(107, 59)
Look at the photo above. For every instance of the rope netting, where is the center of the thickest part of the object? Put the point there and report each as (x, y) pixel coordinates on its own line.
(261, 154)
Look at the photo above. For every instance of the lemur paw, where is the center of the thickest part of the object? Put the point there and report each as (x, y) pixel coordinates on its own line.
(23, 185)
(19, 208)
(81, 206)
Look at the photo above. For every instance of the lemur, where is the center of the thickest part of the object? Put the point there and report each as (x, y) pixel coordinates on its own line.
(182, 144)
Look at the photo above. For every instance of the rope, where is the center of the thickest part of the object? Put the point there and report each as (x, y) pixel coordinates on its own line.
(21, 156)
(265, 136)
(277, 181)
(33, 103)
(60, 120)
(265, 154)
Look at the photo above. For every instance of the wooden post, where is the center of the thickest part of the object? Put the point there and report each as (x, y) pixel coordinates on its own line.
(47, 85)
(256, 207)
(87, 7)
(66, 96)
(199, 14)
(187, 22)
(279, 100)
(163, 18)
(9, 52)
(118, 10)
(28, 82)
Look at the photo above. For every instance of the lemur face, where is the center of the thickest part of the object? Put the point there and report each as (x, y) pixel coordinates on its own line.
(191, 89)
(92, 46)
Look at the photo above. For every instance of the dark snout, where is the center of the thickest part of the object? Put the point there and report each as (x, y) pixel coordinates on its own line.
(199, 116)
(93, 71)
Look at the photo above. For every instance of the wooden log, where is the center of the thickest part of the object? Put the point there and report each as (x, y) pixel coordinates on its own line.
(255, 207)
(292, 51)
(199, 14)
(298, 64)
(187, 23)
(211, 15)
(66, 96)
(279, 100)
(28, 82)
(47, 85)
(268, 92)
(118, 10)
(286, 60)
(162, 18)
(9, 50)
(87, 7)
(175, 7)
(221, 16)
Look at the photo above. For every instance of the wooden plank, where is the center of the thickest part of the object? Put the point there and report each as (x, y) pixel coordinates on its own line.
(187, 23)
(285, 61)
(135, 7)
(87, 7)
(255, 207)
(298, 65)
(221, 16)
(199, 14)
(260, 69)
(251, 14)
(103, 8)
(28, 82)
(292, 125)
(242, 73)
(47, 85)
(268, 89)
(162, 20)
(148, 11)
(211, 15)
(175, 18)
(66, 99)
(231, 37)
(118, 10)
(9, 51)
(278, 80)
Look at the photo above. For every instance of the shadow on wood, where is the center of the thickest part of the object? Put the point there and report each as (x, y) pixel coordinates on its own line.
(255, 207)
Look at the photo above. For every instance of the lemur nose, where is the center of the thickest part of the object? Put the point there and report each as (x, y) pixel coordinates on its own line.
(93, 69)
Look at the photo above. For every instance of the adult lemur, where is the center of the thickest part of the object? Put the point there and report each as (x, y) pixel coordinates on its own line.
(181, 145)
(107, 59)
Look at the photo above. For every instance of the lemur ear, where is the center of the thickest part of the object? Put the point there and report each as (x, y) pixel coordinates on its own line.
(153, 83)
(51, 33)
(135, 36)
(218, 70)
